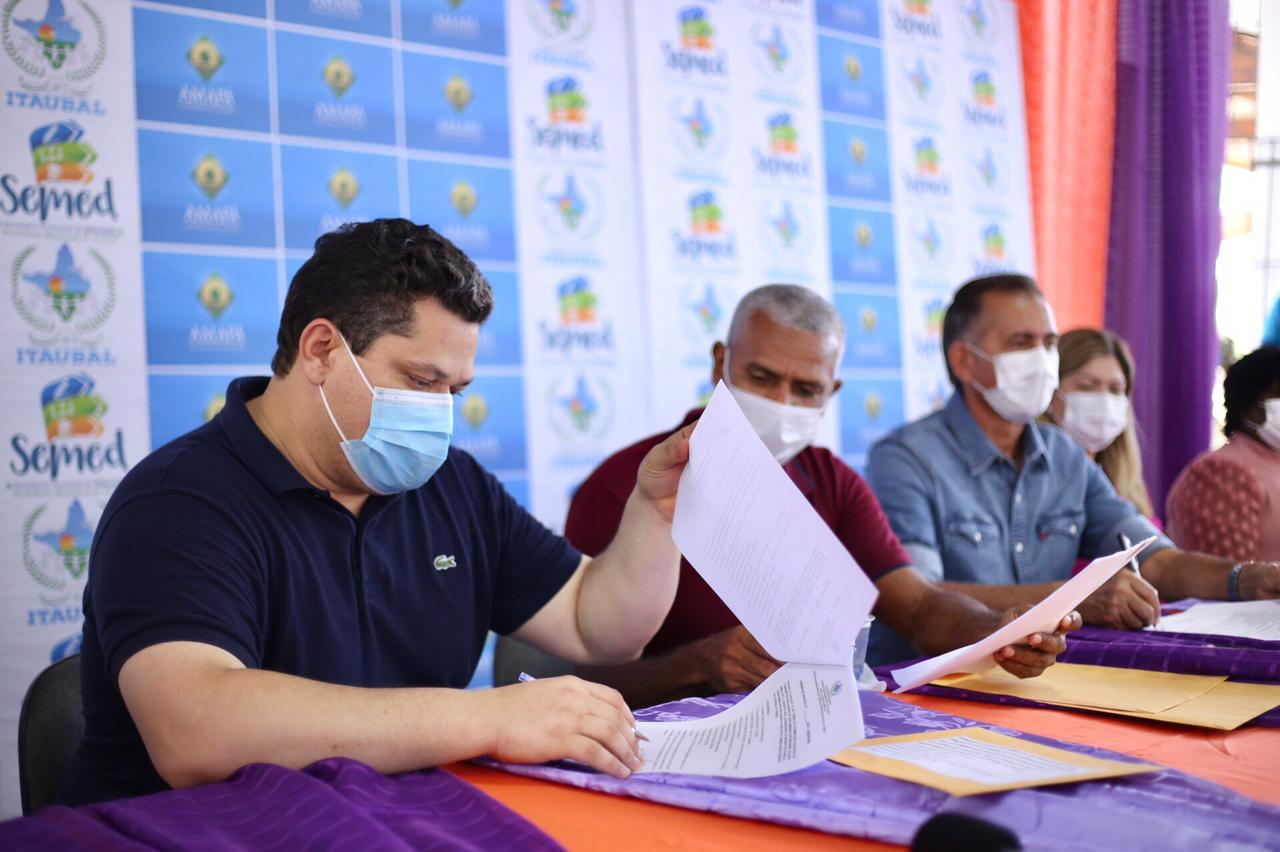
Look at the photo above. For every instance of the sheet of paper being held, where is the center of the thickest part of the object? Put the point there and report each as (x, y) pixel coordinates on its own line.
(755, 539)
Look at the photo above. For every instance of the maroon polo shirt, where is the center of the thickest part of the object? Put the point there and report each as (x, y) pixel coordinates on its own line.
(841, 497)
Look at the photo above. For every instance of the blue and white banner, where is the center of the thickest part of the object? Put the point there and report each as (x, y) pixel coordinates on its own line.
(74, 381)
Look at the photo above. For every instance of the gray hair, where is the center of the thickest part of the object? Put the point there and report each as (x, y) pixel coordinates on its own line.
(791, 306)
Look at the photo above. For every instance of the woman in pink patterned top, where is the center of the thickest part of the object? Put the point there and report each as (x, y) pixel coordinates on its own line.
(1227, 502)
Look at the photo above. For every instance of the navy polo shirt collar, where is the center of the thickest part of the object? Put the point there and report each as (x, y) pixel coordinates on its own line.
(259, 455)
(979, 452)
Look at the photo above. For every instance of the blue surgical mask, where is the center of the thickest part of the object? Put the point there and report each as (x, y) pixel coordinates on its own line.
(407, 439)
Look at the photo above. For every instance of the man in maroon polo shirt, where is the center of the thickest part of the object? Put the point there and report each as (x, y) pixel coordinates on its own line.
(785, 343)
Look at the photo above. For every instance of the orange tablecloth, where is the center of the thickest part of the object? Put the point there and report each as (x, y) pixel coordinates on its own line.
(1244, 761)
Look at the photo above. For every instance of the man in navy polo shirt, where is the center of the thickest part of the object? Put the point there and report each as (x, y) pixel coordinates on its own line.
(783, 349)
(313, 572)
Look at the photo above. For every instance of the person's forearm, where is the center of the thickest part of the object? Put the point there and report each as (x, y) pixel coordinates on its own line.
(1179, 574)
(1003, 597)
(243, 716)
(946, 620)
(653, 680)
(628, 590)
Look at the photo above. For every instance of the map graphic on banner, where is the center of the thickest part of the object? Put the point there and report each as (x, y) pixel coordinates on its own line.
(621, 171)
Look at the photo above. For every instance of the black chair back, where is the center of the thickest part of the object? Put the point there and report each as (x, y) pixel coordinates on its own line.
(49, 730)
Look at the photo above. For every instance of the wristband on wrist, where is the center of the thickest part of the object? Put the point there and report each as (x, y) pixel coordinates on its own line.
(1233, 582)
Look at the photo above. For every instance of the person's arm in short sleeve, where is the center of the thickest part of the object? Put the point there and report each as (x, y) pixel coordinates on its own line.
(1216, 507)
(904, 490)
(173, 567)
(1107, 517)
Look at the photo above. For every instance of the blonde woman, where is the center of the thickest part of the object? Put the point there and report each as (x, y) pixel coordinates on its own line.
(1093, 406)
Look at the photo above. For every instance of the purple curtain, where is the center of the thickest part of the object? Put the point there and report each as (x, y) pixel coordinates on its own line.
(1171, 124)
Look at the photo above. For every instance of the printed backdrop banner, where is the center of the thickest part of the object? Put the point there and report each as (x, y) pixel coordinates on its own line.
(622, 172)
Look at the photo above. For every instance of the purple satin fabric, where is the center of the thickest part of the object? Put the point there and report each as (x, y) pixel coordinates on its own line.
(332, 804)
(1159, 810)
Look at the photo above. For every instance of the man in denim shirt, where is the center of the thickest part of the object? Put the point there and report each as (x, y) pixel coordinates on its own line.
(997, 506)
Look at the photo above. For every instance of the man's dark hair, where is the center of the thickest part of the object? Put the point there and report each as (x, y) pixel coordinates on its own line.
(1249, 381)
(366, 277)
(966, 307)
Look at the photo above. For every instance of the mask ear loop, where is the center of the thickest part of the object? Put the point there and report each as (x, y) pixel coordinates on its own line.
(325, 399)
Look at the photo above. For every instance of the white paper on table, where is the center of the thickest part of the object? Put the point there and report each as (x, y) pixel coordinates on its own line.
(748, 531)
(1041, 618)
(800, 715)
(1248, 620)
(975, 760)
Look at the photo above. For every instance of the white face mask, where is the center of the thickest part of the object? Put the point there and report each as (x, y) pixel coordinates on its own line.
(1025, 382)
(784, 429)
(1269, 430)
(1095, 420)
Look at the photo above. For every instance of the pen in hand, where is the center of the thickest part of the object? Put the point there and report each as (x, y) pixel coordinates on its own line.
(1125, 544)
(525, 677)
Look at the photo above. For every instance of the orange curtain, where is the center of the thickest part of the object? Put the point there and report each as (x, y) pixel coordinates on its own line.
(1069, 68)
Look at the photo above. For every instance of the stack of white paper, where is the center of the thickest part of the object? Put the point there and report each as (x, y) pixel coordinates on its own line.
(1248, 620)
(760, 545)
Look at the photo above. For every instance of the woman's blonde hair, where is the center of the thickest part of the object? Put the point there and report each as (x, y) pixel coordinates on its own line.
(1121, 461)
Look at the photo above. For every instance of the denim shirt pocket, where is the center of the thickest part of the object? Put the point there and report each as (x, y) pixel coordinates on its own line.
(1059, 545)
(973, 549)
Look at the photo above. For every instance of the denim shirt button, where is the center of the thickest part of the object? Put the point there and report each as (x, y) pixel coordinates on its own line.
(1074, 529)
(1017, 548)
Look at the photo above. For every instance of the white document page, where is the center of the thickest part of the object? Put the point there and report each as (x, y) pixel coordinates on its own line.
(975, 760)
(751, 534)
(800, 715)
(1248, 620)
(1041, 618)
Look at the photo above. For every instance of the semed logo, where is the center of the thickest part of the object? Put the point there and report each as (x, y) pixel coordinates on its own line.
(927, 178)
(562, 21)
(216, 297)
(339, 77)
(916, 18)
(56, 556)
(54, 47)
(783, 157)
(928, 340)
(581, 329)
(568, 126)
(210, 177)
(60, 156)
(707, 239)
(571, 206)
(581, 407)
(63, 303)
(72, 412)
(978, 21)
(205, 60)
(983, 110)
(992, 256)
(695, 53)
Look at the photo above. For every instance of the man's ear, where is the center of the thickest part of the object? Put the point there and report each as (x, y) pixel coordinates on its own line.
(717, 362)
(318, 346)
(960, 360)
(835, 388)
